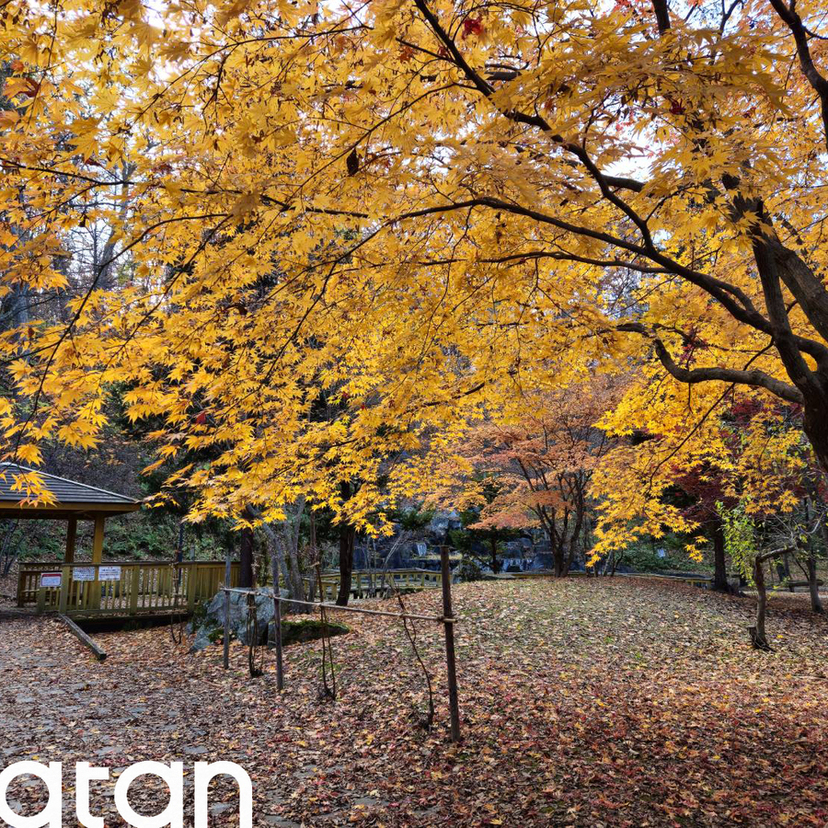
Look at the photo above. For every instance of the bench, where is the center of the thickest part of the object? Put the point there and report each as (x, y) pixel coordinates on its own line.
(792, 585)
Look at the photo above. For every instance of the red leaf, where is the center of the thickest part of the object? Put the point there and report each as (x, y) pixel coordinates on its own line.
(472, 26)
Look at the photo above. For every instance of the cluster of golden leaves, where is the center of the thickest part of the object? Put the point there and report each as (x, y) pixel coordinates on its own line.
(333, 245)
(759, 459)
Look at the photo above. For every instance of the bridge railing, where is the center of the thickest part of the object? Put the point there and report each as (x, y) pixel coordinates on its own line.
(119, 588)
(368, 583)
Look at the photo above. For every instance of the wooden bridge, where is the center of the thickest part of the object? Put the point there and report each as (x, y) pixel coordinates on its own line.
(119, 589)
(372, 583)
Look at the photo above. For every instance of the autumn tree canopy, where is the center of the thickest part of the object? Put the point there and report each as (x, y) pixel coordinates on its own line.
(408, 208)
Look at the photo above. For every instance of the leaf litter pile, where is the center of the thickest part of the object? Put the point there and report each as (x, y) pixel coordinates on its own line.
(583, 702)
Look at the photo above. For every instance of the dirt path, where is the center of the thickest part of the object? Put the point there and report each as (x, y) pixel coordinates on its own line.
(584, 703)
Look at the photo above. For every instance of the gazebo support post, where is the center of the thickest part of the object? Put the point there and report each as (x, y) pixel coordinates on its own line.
(97, 558)
(97, 543)
(71, 534)
(68, 558)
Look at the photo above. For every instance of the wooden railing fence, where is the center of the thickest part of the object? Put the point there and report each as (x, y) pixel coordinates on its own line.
(127, 588)
(121, 589)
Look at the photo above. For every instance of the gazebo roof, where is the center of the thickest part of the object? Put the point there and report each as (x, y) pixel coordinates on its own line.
(71, 499)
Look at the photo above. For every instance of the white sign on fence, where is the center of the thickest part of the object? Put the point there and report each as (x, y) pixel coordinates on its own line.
(109, 573)
(83, 573)
(50, 579)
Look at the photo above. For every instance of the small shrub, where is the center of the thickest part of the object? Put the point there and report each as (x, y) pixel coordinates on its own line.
(469, 570)
(311, 629)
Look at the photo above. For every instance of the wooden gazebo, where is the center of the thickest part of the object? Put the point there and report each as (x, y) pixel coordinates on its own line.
(113, 588)
(71, 501)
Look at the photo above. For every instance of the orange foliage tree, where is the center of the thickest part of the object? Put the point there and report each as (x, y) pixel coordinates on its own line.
(540, 457)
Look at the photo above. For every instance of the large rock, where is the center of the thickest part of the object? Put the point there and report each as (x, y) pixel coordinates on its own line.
(542, 561)
(208, 625)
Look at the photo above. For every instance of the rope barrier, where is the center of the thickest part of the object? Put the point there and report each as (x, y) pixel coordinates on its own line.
(446, 619)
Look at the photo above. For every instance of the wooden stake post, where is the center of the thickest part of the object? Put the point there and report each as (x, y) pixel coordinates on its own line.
(277, 623)
(226, 610)
(451, 667)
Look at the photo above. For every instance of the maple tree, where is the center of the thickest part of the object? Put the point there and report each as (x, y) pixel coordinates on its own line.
(482, 541)
(719, 453)
(684, 473)
(735, 471)
(540, 456)
(420, 208)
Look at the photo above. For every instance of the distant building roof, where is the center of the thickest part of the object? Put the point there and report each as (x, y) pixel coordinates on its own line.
(69, 495)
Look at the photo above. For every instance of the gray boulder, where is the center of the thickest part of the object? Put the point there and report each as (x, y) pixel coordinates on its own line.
(208, 625)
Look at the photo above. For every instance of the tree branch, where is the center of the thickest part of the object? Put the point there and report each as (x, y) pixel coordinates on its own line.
(754, 378)
(818, 82)
(737, 376)
(732, 298)
(487, 90)
(662, 13)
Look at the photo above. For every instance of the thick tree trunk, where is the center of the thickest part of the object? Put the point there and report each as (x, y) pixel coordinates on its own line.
(561, 561)
(757, 633)
(246, 559)
(815, 423)
(556, 540)
(719, 563)
(573, 546)
(347, 536)
(495, 562)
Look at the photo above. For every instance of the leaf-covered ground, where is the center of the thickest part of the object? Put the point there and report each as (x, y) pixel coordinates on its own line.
(584, 702)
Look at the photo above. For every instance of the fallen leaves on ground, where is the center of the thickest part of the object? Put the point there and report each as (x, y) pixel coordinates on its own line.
(584, 702)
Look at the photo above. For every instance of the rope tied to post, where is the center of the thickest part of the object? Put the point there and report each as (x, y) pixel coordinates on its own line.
(447, 619)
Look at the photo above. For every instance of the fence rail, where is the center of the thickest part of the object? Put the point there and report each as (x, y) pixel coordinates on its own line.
(119, 588)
